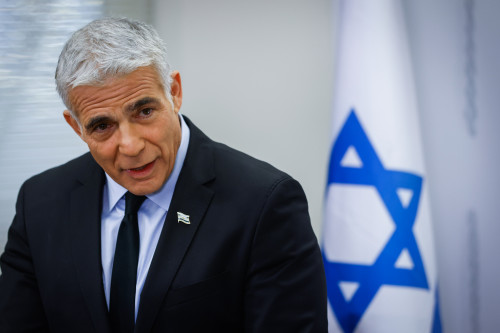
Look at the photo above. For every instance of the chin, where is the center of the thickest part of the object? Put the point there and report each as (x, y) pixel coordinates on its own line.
(143, 189)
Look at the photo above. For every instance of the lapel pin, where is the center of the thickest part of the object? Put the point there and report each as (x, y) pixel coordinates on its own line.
(183, 218)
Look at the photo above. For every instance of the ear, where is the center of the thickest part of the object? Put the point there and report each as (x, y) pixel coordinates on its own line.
(176, 90)
(73, 123)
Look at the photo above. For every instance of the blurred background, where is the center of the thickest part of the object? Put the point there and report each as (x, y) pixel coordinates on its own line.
(258, 75)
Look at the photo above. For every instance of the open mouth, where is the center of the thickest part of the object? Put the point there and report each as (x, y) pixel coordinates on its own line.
(140, 170)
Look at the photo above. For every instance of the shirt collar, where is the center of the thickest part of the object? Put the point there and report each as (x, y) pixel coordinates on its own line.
(113, 191)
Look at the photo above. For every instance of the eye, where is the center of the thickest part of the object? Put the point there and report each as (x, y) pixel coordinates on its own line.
(146, 112)
(100, 128)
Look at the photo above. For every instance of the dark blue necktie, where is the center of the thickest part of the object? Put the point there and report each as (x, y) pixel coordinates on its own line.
(124, 275)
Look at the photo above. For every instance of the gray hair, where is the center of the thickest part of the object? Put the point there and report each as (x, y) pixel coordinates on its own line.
(110, 47)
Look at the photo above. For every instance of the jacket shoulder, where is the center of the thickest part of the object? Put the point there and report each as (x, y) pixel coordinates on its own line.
(245, 168)
(230, 166)
(64, 175)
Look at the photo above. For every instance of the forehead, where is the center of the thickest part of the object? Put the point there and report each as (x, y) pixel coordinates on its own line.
(117, 91)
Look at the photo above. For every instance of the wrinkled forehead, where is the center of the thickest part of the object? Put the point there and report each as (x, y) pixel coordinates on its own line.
(117, 91)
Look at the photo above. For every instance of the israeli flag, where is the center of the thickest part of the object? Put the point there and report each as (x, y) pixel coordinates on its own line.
(378, 247)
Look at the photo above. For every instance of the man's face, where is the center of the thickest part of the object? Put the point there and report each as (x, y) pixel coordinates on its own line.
(130, 127)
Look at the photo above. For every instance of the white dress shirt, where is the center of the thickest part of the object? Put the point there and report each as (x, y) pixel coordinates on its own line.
(151, 218)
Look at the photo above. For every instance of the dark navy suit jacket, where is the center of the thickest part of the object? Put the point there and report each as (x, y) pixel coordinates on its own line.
(248, 262)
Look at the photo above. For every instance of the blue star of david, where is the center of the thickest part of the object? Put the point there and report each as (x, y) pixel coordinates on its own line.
(383, 271)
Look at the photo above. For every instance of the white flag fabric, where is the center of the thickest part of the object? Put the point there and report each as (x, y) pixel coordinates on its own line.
(378, 245)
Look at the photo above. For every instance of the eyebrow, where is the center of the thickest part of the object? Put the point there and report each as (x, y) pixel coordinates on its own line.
(143, 101)
(129, 109)
(94, 121)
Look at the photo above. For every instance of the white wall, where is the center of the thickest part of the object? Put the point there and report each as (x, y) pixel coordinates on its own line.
(257, 75)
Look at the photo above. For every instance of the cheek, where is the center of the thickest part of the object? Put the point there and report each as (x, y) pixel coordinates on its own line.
(165, 138)
(101, 151)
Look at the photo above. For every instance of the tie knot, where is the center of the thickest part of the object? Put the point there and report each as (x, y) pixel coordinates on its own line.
(133, 203)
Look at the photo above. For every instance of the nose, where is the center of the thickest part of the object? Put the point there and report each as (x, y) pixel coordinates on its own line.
(131, 142)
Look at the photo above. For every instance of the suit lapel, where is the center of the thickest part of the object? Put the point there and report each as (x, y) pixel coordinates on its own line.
(191, 197)
(85, 226)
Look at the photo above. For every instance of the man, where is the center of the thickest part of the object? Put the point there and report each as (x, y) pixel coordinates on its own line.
(158, 228)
